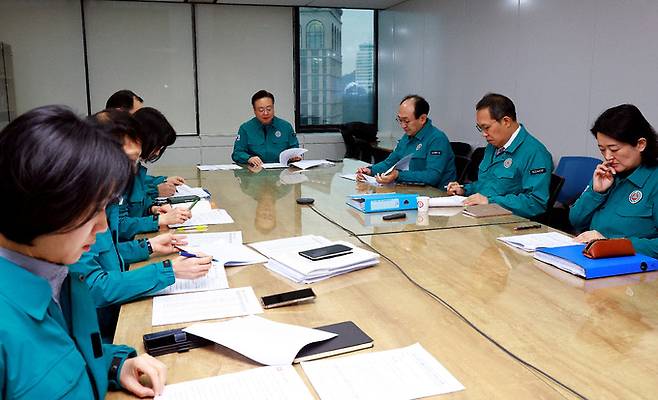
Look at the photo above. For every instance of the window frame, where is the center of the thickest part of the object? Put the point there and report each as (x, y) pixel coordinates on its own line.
(315, 128)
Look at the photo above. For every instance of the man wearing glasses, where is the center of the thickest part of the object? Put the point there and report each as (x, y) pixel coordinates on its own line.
(262, 138)
(432, 161)
(515, 171)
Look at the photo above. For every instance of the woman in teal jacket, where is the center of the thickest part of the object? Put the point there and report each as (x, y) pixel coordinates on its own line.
(49, 340)
(621, 199)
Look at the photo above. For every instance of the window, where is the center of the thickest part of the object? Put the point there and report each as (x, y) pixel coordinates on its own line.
(341, 68)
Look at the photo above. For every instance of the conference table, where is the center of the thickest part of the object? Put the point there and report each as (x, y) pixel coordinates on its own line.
(505, 325)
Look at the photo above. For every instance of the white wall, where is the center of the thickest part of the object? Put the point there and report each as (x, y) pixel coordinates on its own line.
(562, 62)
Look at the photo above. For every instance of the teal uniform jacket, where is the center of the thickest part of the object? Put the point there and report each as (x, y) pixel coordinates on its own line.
(52, 352)
(134, 211)
(252, 140)
(433, 162)
(518, 179)
(110, 282)
(151, 183)
(628, 209)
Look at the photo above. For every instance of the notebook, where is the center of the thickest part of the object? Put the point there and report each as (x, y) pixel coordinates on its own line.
(350, 338)
(485, 210)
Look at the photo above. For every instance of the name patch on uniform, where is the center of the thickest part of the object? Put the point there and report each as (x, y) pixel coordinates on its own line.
(635, 197)
(537, 171)
(435, 152)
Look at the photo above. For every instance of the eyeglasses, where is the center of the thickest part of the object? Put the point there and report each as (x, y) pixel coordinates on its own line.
(402, 121)
(484, 128)
(263, 109)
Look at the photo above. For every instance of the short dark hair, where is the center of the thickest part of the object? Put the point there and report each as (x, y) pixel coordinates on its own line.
(626, 124)
(123, 99)
(120, 124)
(157, 132)
(499, 106)
(261, 94)
(56, 172)
(421, 106)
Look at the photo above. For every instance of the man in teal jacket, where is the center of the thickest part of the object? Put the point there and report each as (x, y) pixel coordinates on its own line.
(50, 346)
(432, 161)
(515, 171)
(262, 138)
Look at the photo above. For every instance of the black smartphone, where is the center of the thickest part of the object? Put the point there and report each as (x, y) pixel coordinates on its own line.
(321, 253)
(287, 298)
(394, 216)
(183, 199)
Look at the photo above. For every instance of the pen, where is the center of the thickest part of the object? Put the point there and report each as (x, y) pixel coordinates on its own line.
(187, 254)
(193, 204)
(446, 186)
(524, 227)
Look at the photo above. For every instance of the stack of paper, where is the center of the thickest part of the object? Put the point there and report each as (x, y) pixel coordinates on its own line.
(185, 190)
(218, 167)
(530, 242)
(406, 373)
(272, 383)
(369, 179)
(212, 217)
(285, 259)
(215, 279)
(284, 157)
(262, 340)
(449, 201)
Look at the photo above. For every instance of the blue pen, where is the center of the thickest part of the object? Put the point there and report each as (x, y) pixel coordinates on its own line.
(188, 254)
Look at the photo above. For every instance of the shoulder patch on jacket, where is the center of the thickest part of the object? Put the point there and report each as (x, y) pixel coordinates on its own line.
(537, 171)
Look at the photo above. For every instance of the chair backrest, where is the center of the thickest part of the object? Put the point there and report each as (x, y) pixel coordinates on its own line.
(461, 149)
(554, 189)
(474, 165)
(358, 137)
(461, 164)
(577, 172)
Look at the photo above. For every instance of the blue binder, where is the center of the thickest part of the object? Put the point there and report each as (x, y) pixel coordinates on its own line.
(571, 259)
(376, 202)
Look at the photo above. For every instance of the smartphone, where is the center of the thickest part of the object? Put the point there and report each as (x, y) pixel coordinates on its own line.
(183, 199)
(394, 216)
(321, 253)
(287, 298)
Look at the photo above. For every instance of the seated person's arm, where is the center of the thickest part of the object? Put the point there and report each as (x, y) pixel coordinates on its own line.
(240, 154)
(535, 183)
(582, 211)
(435, 166)
(131, 226)
(383, 166)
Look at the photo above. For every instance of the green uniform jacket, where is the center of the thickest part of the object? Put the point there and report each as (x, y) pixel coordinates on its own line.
(110, 282)
(252, 140)
(433, 162)
(46, 352)
(628, 209)
(134, 211)
(152, 183)
(518, 179)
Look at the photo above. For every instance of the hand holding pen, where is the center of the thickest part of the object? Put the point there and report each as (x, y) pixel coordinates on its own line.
(191, 266)
(454, 188)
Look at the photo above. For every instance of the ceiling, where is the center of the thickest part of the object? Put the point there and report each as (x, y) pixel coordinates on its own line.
(370, 4)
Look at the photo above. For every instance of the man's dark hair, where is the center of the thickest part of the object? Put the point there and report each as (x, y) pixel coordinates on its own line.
(120, 124)
(499, 106)
(123, 99)
(626, 124)
(261, 94)
(57, 171)
(157, 132)
(421, 106)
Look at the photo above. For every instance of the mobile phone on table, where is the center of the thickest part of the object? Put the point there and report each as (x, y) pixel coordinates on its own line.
(394, 216)
(321, 253)
(287, 298)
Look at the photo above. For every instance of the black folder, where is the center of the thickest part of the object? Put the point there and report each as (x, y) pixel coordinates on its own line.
(350, 338)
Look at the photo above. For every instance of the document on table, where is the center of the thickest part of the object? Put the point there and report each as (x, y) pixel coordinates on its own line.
(215, 279)
(269, 248)
(201, 206)
(272, 383)
(406, 373)
(530, 242)
(185, 190)
(212, 217)
(232, 254)
(262, 340)
(274, 165)
(204, 239)
(218, 167)
(402, 164)
(304, 164)
(287, 154)
(449, 201)
(199, 306)
(369, 179)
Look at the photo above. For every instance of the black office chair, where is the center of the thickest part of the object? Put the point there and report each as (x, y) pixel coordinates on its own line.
(461, 149)
(474, 165)
(358, 138)
(554, 188)
(461, 165)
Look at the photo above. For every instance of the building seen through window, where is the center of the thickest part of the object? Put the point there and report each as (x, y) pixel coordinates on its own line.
(336, 79)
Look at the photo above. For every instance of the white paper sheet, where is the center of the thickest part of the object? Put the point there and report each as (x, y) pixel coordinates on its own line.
(304, 164)
(448, 201)
(212, 217)
(201, 206)
(202, 239)
(287, 154)
(199, 306)
(229, 254)
(218, 167)
(274, 165)
(530, 242)
(271, 247)
(402, 164)
(215, 279)
(406, 373)
(185, 190)
(369, 179)
(262, 340)
(271, 383)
